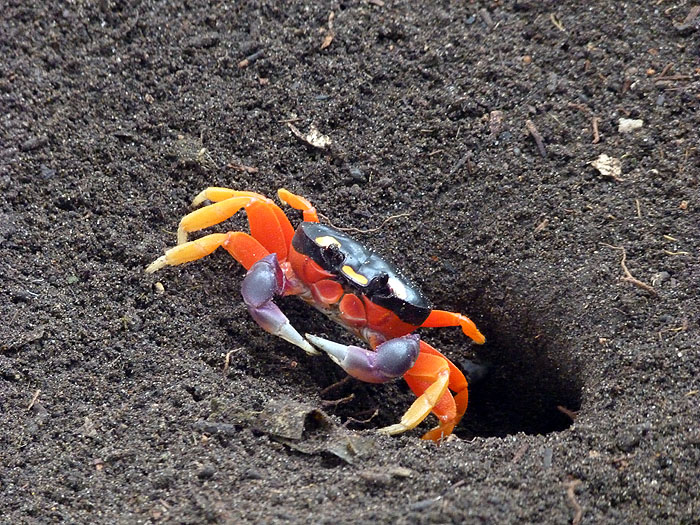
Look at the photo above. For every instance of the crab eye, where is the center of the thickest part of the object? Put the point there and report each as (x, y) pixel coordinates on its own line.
(379, 286)
(332, 255)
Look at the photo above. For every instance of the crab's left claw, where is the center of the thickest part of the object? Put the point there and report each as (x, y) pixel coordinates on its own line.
(389, 360)
(263, 281)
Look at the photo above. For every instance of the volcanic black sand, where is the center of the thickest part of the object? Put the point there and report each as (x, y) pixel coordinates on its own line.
(462, 141)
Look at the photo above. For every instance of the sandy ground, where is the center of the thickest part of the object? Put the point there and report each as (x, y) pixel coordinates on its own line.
(475, 124)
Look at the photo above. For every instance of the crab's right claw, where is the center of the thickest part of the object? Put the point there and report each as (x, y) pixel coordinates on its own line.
(388, 361)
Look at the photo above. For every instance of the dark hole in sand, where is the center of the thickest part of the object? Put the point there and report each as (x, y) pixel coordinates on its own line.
(530, 373)
(532, 383)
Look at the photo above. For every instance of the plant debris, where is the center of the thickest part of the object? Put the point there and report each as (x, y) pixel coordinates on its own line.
(608, 166)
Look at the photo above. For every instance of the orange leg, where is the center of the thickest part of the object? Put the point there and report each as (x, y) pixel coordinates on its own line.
(298, 203)
(433, 374)
(268, 223)
(448, 409)
(244, 248)
(442, 318)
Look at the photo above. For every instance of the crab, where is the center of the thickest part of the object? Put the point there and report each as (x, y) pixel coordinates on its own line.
(346, 281)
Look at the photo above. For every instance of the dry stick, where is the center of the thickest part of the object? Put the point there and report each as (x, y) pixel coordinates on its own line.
(572, 414)
(628, 276)
(335, 385)
(689, 19)
(536, 137)
(681, 328)
(581, 107)
(325, 403)
(578, 514)
(361, 421)
(371, 230)
(34, 400)
(227, 359)
(541, 226)
(242, 167)
(594, 125)
(486, 17)
(556, 23)
(330, 34)
(665, 70)
(250, 59)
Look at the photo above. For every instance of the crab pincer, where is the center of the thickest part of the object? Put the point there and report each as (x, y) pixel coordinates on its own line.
(389, 360)
(261, 284)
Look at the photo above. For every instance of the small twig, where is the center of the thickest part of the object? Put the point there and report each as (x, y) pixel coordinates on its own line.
(639, 208)
(362, 421)
(227, 359)
(325, 403)
(681, 328)
(330, 34)
(541, 226)
(536, 137)
(250, 59)
(594, 125)
(35, 397)
(556, 23)
(665, 70)
(486, 17)
(572, 414)
(578, 510)
(242, 167)
(660, 80)
(335, 385)
(689, 19)
(581, 107)
(371, 230)
(461, 162)
(628, 276)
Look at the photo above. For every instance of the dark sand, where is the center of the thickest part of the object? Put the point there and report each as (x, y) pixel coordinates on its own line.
(115, 403)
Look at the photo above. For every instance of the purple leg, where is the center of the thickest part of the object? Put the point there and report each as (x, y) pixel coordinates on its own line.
(388, 361)
(263, 281)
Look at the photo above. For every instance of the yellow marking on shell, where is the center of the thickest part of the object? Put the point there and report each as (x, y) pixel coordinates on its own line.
(347, 270)
(327, 240)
